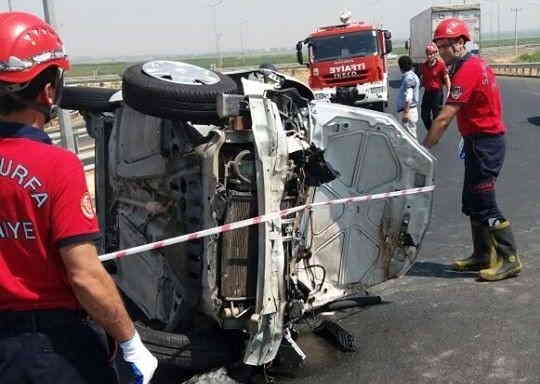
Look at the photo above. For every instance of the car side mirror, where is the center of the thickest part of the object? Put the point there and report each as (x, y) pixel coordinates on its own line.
(388, 45)
(299, 55)
(407, 45)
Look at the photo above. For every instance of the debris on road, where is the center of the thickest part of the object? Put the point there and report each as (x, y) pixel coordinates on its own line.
(218, 376)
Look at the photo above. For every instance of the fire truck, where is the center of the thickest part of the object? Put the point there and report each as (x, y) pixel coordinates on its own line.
(347, 63)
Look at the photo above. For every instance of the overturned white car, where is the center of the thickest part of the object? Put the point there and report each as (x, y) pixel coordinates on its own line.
(182, 149)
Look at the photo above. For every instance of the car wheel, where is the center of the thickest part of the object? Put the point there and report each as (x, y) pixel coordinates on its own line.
(192, 351)
(175, 90)
(88, 99)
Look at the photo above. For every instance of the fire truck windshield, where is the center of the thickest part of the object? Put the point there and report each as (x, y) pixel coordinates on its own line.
(344, 46)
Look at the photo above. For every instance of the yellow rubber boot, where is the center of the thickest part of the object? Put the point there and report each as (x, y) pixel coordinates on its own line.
(483, 255)
(508, 262)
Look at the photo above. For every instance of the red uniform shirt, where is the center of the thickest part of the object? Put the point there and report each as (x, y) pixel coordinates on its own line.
(474, 87)
(433, 75)
(45, 205)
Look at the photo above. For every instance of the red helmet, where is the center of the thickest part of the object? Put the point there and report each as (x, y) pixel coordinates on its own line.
(27, 47)
(431, 48)
(452, 28)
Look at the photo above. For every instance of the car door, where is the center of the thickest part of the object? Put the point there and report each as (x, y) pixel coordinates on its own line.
(356, 246)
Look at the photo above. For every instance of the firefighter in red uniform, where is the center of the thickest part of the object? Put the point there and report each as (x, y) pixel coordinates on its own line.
(51, 280)
(434, 77)
(475, 99)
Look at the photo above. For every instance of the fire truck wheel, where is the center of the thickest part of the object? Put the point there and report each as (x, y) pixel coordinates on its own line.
(88, 99)
(175, 90)
(380, 106)
(192, 351)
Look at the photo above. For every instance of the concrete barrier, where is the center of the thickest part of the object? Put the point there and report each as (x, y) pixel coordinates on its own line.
(517, 70)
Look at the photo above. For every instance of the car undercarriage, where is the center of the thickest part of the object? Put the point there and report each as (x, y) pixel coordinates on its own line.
(182, 149)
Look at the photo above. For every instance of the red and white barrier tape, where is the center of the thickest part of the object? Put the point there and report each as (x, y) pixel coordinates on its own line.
(257, 220)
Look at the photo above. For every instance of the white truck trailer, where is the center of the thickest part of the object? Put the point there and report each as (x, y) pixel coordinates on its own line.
(424, 24)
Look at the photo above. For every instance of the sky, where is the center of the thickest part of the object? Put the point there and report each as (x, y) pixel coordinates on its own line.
(112, 28)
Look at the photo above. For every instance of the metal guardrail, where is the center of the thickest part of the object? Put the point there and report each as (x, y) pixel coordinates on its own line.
(84, 144)
(92, 79)
(519, 70)
(114, 78)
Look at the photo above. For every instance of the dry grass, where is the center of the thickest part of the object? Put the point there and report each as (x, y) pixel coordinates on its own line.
(301, 74)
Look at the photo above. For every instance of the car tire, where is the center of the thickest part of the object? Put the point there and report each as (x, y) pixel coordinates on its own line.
(88, 99)
(194, 351)
(165, 99)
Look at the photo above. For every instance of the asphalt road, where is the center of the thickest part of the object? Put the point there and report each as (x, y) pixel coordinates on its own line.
(445, 327)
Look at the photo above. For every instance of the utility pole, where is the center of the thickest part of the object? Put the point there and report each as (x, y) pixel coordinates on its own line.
(10, 6)
(516, 10)
(491, 18)
(498, 24)
(242, 42)
(66, 129)
(217, 35)
(48, 12)
(498, 5)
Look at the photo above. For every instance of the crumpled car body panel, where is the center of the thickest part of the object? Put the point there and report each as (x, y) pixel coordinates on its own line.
(272, 156)
(361, 245)
(165, 178)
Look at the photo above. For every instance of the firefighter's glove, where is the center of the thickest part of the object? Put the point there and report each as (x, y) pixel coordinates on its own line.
(141, 362)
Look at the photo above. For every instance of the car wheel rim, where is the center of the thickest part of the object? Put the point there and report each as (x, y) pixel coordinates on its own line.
(180, 73)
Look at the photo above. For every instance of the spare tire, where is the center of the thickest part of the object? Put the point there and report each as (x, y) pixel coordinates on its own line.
(194, 351)
(88, 99)
(175, 90)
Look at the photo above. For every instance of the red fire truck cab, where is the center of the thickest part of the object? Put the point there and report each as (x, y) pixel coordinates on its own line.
(347, 63)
